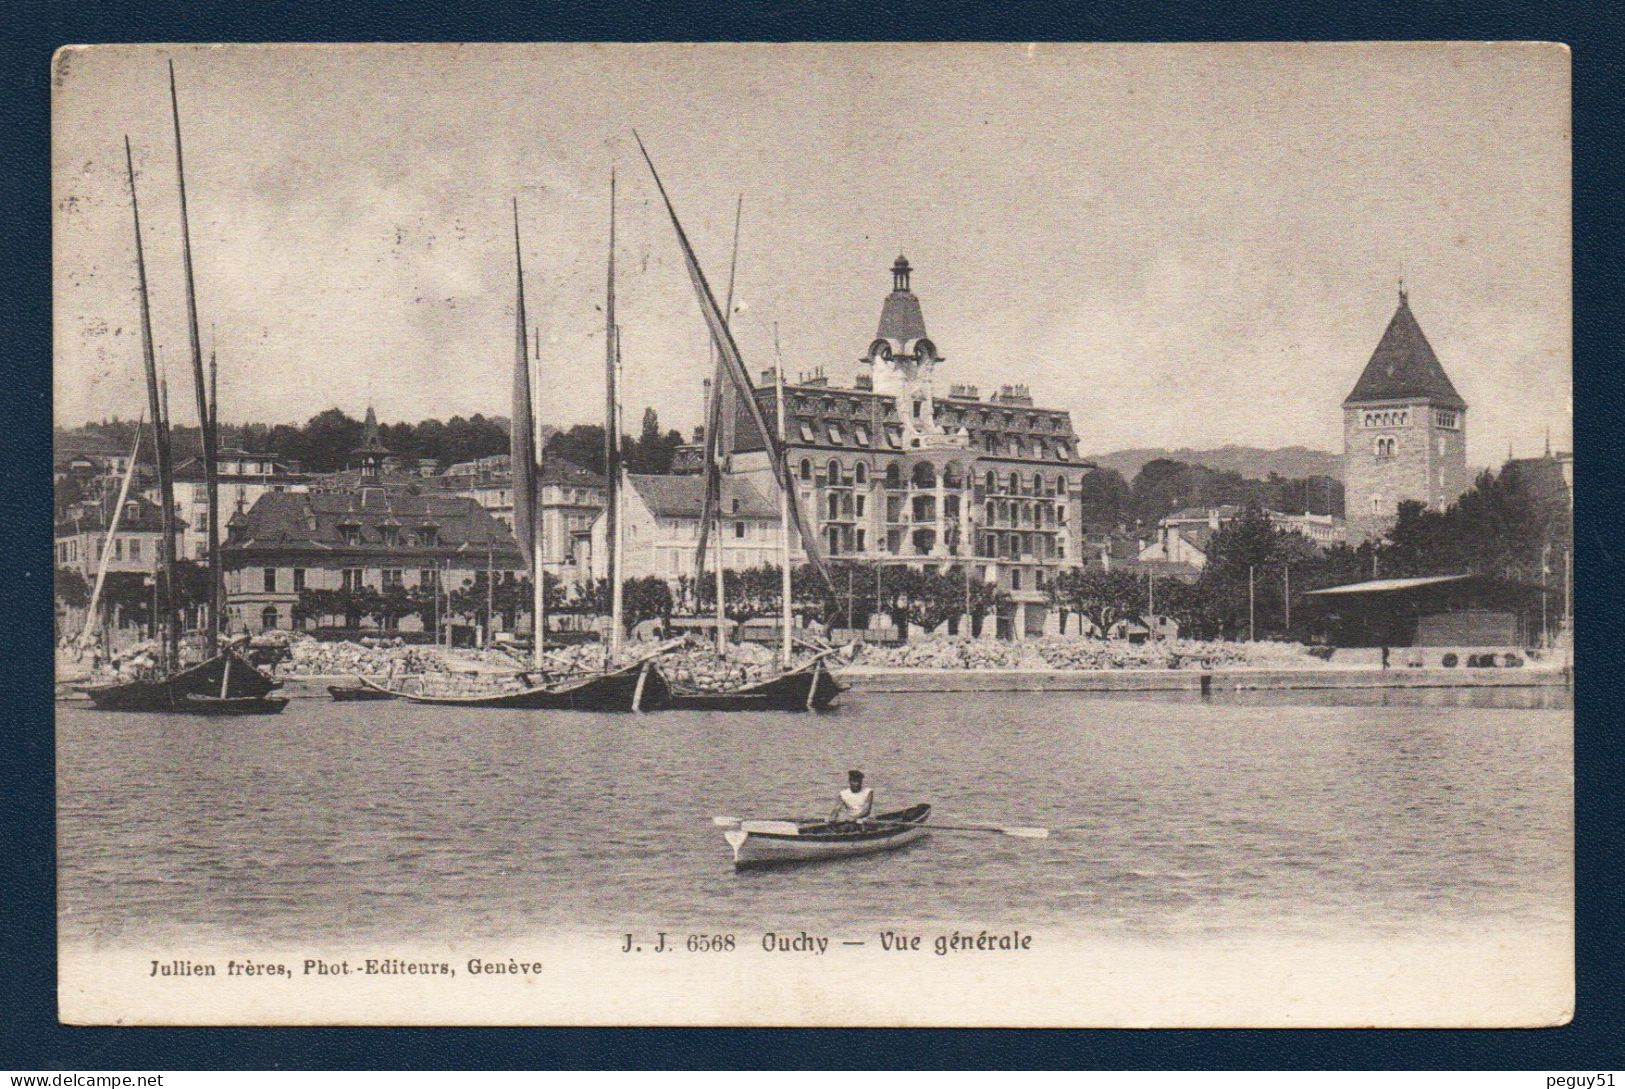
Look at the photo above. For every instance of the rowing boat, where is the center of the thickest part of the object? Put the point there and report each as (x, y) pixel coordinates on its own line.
(769, 843)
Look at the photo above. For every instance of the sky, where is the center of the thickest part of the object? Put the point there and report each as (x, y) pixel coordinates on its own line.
(1181, 245)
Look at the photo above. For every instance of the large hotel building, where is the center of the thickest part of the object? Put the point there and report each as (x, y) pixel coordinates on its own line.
(895, 469)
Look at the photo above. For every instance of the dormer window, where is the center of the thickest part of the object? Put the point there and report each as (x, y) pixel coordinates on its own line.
(860, 434)
(807, 432)
(428, 537)
(351, 534)
(389, 535)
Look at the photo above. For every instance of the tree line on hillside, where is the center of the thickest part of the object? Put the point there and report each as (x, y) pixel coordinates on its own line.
(1163, 486)
(326, 441)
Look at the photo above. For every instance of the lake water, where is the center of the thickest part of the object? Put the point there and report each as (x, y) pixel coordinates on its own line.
(1251, 814)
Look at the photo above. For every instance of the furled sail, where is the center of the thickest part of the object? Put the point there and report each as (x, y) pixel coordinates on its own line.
(522, 433)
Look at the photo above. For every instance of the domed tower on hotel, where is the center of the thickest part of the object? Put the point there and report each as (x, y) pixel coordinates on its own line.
(1404, 431)
(902, 362)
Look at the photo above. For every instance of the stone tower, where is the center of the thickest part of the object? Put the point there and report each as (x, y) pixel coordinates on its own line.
(1404, 431)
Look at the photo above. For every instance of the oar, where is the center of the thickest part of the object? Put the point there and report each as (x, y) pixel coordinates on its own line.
(1014, 830)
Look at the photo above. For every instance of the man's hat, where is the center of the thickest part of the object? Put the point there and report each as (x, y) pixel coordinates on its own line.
(853, 772)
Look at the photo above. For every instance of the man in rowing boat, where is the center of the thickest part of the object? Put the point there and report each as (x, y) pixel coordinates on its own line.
(856, 804)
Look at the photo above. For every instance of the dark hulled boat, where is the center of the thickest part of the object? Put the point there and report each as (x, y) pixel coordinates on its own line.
(808, 687)
(225, 681)
(635, 687)
(347, 693)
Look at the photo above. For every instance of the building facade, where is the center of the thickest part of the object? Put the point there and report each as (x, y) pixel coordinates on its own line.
(1404, 431)
(661, 530)
(572, 499)
(289, 542)
(896, 469)
(136, 547)
(1184, 536)
(243, 477)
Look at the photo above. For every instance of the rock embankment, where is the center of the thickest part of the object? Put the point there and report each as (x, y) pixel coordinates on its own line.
(1080, 653)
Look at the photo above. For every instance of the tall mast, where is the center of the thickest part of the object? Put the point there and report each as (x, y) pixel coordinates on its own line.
(715, 455)
(612, 439)
(205, 416)
(784, 514)
(538, 513)
(523, 449)
(112, 532)
(160, 432)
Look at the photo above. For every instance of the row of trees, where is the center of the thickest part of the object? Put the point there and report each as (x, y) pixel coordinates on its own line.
(129, 594)
(855, 594)
(1163, 486)
(325, 442)
(1506, 526)
(651, 452)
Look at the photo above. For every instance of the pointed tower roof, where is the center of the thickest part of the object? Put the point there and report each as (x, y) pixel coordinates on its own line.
(1404, 367)
(370, 441)
(900, 317)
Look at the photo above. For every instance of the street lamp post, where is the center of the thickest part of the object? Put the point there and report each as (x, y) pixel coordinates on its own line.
(1251, 630)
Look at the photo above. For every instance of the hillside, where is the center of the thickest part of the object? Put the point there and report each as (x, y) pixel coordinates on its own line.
(1252, 462)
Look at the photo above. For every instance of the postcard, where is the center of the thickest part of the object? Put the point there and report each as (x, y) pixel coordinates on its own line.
(814, 534)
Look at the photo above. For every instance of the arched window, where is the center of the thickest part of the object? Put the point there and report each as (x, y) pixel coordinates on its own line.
(1038, 483)
(861, 472)
(834, 472)
(268, 617)
(1015, 483)
(992, 481)
(1060, 485)
(806, 469)
(894, 476)
(923, 475)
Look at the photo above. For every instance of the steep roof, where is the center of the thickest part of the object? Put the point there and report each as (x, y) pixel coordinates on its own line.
(280, 520)
(684, 496)
(900, 316)
(1404, 367)
(88, 518)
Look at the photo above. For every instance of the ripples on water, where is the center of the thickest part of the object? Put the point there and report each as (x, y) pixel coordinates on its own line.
(1378, 813)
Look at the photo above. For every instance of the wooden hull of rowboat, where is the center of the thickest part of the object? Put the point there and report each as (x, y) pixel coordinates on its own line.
(810, 688)
(615, 691)
(816, 842)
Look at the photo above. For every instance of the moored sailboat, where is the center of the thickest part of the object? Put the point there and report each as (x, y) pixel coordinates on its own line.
(224, 682)
(809, 685)
(620, 686)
